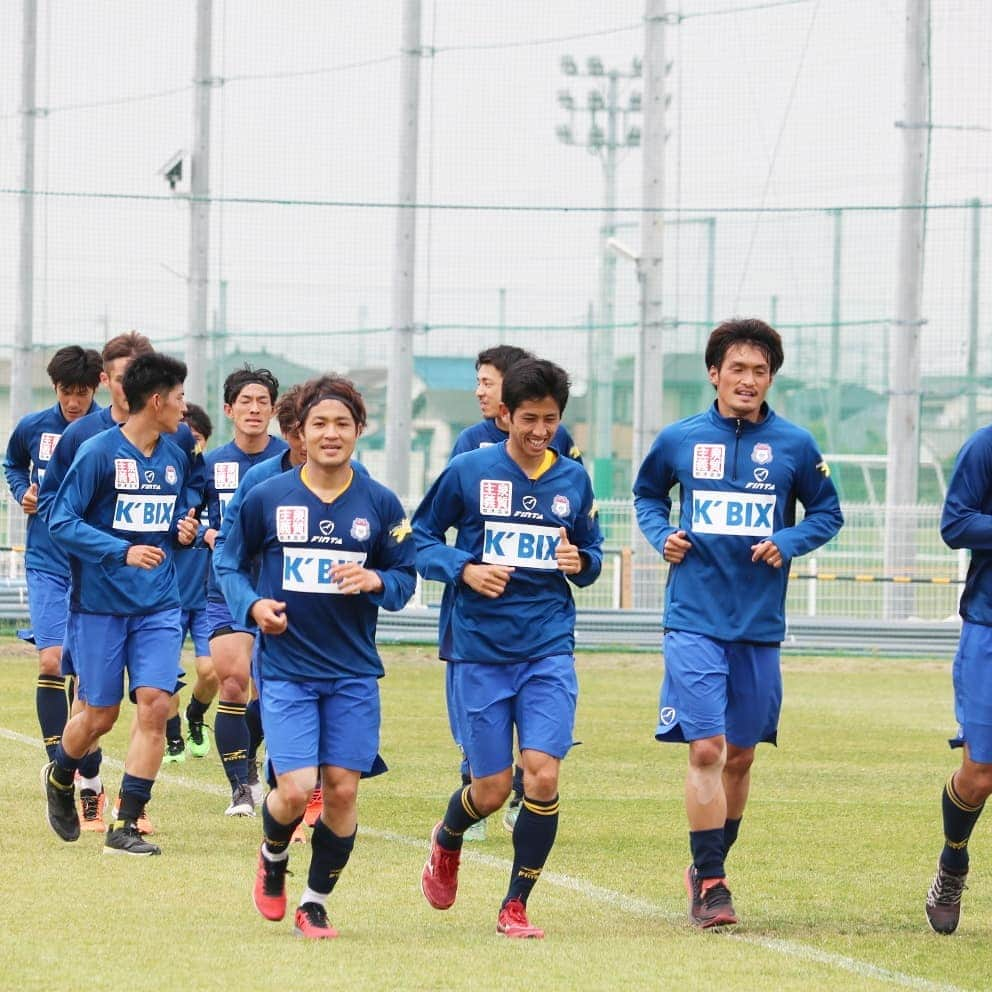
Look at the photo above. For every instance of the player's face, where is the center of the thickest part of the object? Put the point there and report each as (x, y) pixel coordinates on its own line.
(488, 390)
(532, 426)
(329, 434)
(74, 401)
(251, 410)
(297, 449)
(742, 382)
(171, 409)
(112, 377)
(201, 441)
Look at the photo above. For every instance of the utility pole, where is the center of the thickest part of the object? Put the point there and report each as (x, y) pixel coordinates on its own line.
(399, 382)
(20, 365)
(903, 427)
(833, 394)
(975, 276)
(199, 210)
(605, 144)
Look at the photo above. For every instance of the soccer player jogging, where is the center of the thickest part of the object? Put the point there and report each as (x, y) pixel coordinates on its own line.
(740, 470)
(118, 513)
(191, 576)
(333, 547)
(967, 523)
(526, 520)
(75, 376)
(249, 397)
(491, 366)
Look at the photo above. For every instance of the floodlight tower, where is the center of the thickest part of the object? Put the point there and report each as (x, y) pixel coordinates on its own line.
(610, 131)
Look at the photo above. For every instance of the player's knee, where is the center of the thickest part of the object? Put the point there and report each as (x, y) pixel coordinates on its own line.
(50, 662)
(542, 783)
(234, 688)
(293, 796)
(341, 796)
(100, 720)
(973, 782)
(739, 762)
(488, 795)
(708, 754)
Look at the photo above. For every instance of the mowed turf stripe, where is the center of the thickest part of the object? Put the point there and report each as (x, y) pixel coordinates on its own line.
(595, 893)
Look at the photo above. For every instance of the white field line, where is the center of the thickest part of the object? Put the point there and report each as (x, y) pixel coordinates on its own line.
(595, 893)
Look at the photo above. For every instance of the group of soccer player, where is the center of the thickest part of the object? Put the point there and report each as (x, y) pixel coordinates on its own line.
(275, 556)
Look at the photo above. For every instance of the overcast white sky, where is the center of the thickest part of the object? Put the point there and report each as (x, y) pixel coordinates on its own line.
(790, 105)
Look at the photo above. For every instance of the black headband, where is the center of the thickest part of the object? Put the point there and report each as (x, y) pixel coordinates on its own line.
(331, 395)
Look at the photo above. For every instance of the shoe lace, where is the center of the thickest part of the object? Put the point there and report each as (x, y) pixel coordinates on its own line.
(946, 888)
(315, 913)
(275, 873)
(716, 896)
(445, 863)
(91, 806)
(514, 913)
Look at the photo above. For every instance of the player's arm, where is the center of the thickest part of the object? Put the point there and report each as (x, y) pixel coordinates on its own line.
(822, 520)
(55, 471)
(393, 562)
(232, 563)
(17, 464)
(965, 521)
(69, 527)
(587, 537)
(439, 510)
(652, 496)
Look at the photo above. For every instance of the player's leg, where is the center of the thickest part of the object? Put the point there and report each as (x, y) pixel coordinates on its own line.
(547, 695)
(230, 650)
(253, 720)
(477, 830)
(175, 746)
(963, 797)
(204, 688)
(48, 606)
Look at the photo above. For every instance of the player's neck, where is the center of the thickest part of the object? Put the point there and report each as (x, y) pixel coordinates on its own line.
(529, 464)
(501, 424)
(118, 414)
(142, 432)
(251, 444)
(326, 483)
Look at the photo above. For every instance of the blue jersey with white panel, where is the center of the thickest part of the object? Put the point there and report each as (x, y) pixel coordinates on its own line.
(114, 496)
(966, 522)
(505, 518)
(31, 447)
(297, 539)
(738, 484)
(96, 423)
(226, 467)
(486, 433)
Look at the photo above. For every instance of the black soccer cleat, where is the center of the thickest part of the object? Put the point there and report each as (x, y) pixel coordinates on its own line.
(943, 905)
(61, 812)
(127, 839)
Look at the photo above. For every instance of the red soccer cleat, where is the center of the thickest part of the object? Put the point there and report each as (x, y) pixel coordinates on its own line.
(269, 893)
(311, 922)
(312, 813)
(439, 880)
(513, 922)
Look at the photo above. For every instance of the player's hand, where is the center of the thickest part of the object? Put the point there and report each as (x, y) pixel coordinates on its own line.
(569, 558)
(187, 527)
(487, 580)
(29, 501)
(270, 615)
(768, 552)
(209, 536)
(676, 547)
(145, 556)
(352, 578)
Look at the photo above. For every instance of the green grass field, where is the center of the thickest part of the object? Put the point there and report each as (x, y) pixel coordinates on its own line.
(829, 876)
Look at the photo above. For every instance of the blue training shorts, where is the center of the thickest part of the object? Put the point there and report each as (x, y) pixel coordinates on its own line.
(220, 621)
(197, 625)
(713, 688)
(325, 722)
(48, 604)
(539, 697)
(104, 647)
(972, 675)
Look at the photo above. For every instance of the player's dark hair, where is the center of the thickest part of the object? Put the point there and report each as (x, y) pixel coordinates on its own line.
(150, 374)
(331, 387)
(127, 345)
(501, 357)
(74, 366)
(247, 376)
(287, 409)
(199, 420)
(535, 379)
(745, 330)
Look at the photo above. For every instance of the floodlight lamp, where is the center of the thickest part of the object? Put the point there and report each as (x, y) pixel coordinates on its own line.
(566, 100)
(634, 137)
(596, 101)
(635, 67)
(564, 133)
(634, 102)
(594, 65)
(596, 136)
(568, 65)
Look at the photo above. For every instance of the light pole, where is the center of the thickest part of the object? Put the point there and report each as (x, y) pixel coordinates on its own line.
(603, 108)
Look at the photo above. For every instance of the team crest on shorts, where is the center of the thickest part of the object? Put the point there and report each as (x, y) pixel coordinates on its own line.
(560, 506)
(495, 498)
(46, 445)
(666, 716)
(761, 454)
(226, 475)
(125, 473)
(170, 474)
(708, 461)
(360, 529)
(292, 523)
